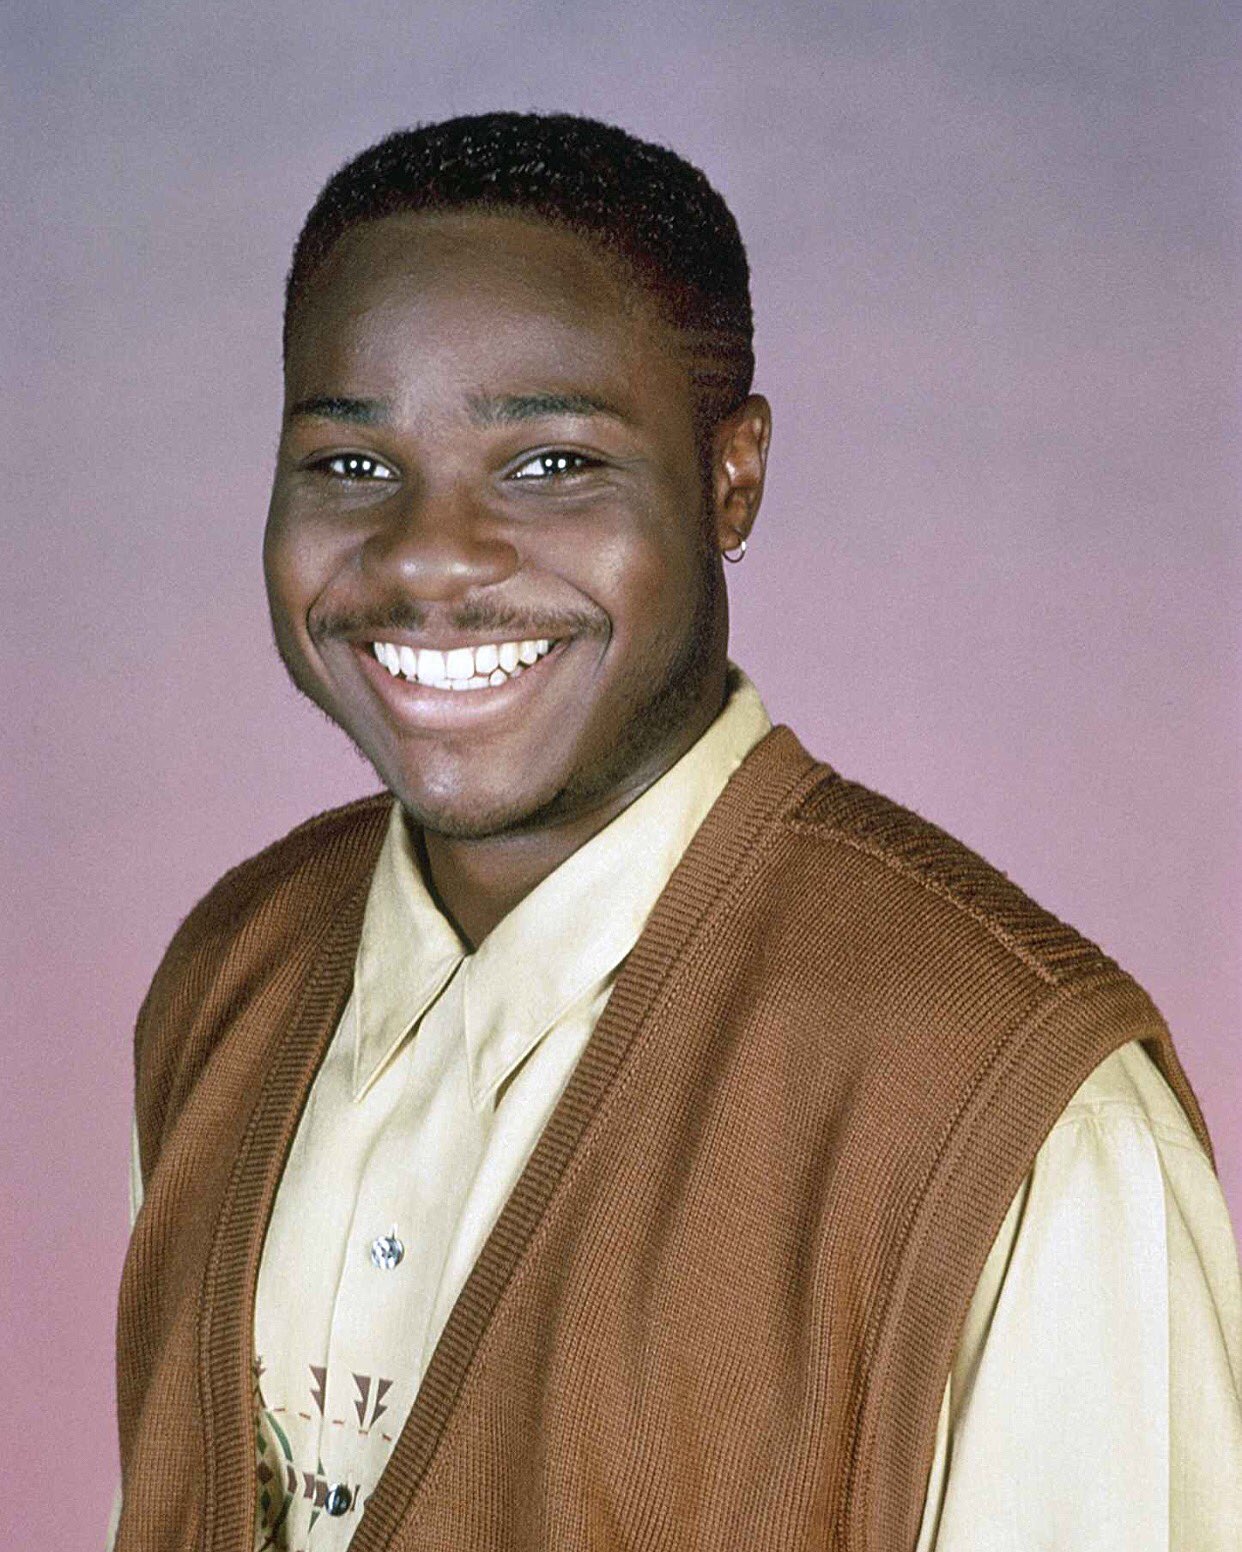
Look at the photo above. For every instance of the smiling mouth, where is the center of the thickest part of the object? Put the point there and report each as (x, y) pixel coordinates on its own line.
(461, 668)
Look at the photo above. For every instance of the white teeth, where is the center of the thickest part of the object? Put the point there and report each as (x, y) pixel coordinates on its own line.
(430, 666)
(461, 668)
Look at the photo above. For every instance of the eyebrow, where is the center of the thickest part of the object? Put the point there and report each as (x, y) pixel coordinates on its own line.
(358, 412)
(507, 408)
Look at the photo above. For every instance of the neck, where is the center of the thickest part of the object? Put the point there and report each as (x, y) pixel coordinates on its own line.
(476, 882)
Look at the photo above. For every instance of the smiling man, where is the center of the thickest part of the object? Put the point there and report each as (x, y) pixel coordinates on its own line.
(624, 1131)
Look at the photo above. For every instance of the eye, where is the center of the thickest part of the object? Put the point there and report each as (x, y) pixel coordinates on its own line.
(554, 464)
(354, 466)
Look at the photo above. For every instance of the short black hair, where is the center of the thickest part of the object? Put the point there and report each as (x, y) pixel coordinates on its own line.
(641, 203)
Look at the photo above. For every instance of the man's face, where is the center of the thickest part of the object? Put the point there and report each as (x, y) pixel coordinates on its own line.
(487, 555)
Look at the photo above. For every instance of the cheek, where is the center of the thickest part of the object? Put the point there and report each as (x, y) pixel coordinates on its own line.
(635, 565)
(652, 593)
(298, 560)
(278, 547)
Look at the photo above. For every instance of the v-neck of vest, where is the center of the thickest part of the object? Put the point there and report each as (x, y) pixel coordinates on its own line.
(772, 779)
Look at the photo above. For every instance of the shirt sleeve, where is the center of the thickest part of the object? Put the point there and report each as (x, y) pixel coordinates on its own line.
(135, 1206)
(135, 1175)
(1095, 1397)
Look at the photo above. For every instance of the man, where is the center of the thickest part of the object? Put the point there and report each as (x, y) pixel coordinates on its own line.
(626, 1132)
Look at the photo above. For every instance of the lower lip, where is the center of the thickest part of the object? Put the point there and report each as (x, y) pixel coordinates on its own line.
(424, 706)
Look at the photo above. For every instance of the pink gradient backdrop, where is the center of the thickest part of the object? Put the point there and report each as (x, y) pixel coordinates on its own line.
(996, 575)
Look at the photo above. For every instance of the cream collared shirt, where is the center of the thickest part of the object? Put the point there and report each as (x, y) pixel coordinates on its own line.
(1094, 1400)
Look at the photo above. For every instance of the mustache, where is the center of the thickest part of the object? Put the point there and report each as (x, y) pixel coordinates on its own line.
(483, 618)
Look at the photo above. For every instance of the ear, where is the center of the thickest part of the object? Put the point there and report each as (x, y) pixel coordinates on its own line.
(739, 462)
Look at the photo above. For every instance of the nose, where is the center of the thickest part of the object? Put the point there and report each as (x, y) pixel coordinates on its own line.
(438, 544)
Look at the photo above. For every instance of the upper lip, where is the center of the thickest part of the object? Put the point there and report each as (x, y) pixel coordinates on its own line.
(446, 641)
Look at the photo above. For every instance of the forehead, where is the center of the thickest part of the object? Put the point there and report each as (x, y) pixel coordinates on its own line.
(473, 287)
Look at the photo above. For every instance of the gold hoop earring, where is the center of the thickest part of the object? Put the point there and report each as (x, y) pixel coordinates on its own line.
(736, 554)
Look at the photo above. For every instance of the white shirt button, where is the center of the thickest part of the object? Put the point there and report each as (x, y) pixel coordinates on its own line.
(386, 1252)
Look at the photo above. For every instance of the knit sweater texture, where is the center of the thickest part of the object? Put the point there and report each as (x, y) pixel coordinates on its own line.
(720, 1305)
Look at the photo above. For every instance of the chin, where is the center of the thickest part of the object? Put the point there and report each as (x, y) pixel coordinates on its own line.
(462, 816)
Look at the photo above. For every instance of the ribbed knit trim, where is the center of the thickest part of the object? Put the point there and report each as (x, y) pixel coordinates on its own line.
(226, 1315)
(770, 782)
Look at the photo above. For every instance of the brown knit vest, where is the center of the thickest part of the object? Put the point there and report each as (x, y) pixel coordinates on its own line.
(720, 1306)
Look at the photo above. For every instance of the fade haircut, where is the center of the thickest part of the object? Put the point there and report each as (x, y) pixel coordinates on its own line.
(644, 205)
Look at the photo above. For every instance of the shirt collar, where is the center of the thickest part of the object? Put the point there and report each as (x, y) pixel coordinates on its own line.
(560, 944)
(407, 954)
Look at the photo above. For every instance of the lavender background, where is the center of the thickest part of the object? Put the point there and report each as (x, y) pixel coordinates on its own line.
(996, 575)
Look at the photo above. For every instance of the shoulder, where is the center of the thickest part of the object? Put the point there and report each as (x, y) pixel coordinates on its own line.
(317, 862)
(904, 866)
(968, 943)
(938, 936)
(258, 908)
